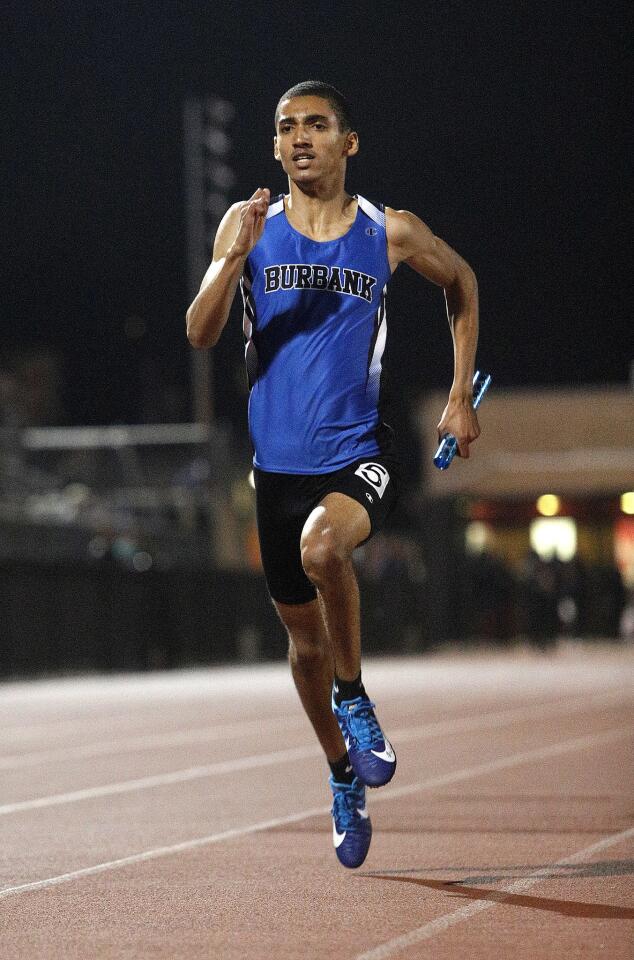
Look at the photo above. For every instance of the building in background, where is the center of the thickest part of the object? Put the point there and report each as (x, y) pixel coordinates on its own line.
(545, 502)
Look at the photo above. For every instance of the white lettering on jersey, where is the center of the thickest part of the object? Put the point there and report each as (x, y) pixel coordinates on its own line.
(317, 276)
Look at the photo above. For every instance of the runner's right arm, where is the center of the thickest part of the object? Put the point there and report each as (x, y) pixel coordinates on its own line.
(238, 233)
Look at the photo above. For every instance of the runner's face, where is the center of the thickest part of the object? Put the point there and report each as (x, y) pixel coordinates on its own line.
(309, 143)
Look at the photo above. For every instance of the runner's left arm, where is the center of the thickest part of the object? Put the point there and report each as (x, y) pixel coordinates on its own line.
(411, 241)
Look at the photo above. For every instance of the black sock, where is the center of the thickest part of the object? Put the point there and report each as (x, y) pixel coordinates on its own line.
(341, 770)
(348, 689)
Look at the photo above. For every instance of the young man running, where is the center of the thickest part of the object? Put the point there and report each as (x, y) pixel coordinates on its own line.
(313, 266)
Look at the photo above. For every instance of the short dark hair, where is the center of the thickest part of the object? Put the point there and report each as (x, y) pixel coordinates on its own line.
(316, 88)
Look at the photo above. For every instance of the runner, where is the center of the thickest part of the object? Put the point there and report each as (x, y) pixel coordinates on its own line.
(313, 266)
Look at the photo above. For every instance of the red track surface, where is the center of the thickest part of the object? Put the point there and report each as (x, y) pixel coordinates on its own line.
(185, 816)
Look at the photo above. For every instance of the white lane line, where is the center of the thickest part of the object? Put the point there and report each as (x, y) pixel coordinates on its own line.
(254, 761)
(157, 741)
(489, 766)
(435, 927)
(415, 676)
(28, 731)
(566, 746)
(111, 721)
(530, 711)
(158, 852)
(245, 727)
(163, 779)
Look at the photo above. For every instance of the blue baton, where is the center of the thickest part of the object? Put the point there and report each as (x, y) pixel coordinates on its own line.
(449, 445)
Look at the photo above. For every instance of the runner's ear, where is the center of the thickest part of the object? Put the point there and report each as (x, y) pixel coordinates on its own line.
(352, 144)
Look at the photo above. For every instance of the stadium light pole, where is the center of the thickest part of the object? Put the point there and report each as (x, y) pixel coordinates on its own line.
(208, 182)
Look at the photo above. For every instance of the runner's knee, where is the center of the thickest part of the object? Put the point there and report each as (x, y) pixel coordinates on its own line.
(323, 557)
(305, 629)
(304, 650)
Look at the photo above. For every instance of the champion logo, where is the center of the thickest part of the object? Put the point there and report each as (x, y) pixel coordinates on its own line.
(369, 498)
(371, 232)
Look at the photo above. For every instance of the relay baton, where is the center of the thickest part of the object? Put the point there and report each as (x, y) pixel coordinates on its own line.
(449, 445)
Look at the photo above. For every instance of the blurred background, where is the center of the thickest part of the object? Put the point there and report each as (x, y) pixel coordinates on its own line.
(127, 532)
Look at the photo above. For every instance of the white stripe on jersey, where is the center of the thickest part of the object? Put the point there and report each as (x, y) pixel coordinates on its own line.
(371, 211)
(248, 314)
(374, 373)
(274, 208)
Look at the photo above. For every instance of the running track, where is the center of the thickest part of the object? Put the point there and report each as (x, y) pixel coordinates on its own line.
(185, 815)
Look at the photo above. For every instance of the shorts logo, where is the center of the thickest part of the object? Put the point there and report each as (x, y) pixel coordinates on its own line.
(375, 474)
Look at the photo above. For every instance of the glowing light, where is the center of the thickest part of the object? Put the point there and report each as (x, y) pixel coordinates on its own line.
(627, 502)
(554, 537)
(477, 537)
(548, 505)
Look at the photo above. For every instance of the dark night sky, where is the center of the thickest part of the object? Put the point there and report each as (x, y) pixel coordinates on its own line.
(503, 125)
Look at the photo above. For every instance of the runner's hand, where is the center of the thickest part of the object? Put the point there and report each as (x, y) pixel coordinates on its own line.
(460, 419)
(252, 219)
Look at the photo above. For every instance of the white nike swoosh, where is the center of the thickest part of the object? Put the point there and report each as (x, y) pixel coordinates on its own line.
(363, 813)
(338, 838)
(387, 754)
(348, 769)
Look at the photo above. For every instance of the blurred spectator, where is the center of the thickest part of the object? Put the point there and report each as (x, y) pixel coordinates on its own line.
(571, 590)
(538, 600)
(392, 574)
(485, 606)
(605, 600)
(626, 626)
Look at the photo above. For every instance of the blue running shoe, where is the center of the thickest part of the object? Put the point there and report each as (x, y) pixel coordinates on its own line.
(371, 754)
(351, 825)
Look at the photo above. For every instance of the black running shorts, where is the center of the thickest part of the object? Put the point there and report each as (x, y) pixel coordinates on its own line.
(285, 500)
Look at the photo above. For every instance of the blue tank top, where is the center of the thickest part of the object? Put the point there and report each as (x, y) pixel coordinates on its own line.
(315, 329)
